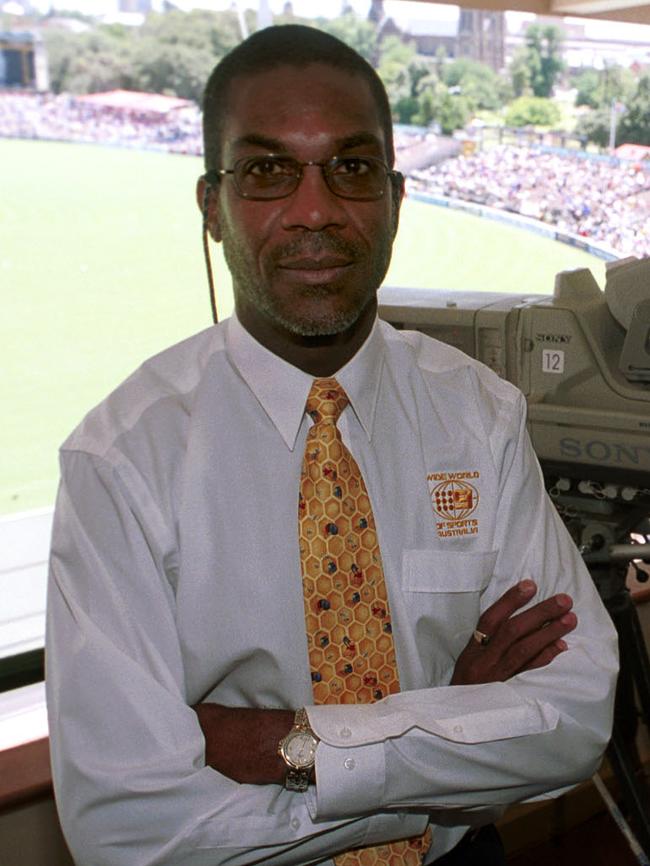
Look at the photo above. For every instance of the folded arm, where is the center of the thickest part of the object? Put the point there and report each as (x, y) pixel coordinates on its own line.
(242, 742)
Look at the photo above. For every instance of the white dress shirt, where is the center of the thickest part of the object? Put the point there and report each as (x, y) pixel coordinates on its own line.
(175, 578)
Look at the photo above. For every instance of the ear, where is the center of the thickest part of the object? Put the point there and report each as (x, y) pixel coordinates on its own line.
(206, 199)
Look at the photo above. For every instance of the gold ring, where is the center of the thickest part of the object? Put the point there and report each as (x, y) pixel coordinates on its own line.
(481, 638)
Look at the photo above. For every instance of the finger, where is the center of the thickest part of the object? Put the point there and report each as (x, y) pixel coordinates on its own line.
(504, 607)
(539, 616)
(520, 654)
(546, 656)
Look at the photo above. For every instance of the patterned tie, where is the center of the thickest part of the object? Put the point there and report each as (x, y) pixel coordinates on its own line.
(349, 635)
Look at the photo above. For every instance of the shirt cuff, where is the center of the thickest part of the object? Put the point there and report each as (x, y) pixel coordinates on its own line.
(351, 759)
(348, 781)
(460, 714)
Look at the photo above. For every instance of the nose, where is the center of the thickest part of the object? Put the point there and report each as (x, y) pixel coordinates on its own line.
(313, 206)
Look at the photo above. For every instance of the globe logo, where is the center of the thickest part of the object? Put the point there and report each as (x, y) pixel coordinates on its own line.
(454, 500)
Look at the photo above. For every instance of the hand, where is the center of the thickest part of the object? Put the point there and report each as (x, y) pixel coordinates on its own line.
(529, 640)
(242, 743)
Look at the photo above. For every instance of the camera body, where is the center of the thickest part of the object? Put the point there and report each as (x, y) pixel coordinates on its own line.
(581, 357)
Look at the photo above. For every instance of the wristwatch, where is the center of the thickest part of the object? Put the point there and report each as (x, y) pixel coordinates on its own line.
(298, 751)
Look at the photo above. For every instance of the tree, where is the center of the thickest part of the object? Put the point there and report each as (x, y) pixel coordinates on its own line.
(634, 120)
(520, 73)
(440, 62)
(173, 69)
(88, 62)
(452, 112)
(427, 108)
(416, 93)
(597, 88)
(544, 57)
(617, 83)
(410, 81)
(200, 29)
(477, 82)
(177, 51)
(61, 47)
(595, 125)
(532, 111)
(634, 126)
(172, 53)
(356, 32)
(587, 86)
(396, 63)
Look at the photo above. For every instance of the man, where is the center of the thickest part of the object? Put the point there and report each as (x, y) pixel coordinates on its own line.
(223, 559)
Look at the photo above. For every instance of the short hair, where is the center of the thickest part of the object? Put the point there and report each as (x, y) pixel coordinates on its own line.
(283, 45)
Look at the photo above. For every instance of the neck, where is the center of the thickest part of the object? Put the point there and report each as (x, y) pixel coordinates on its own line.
(318, 356)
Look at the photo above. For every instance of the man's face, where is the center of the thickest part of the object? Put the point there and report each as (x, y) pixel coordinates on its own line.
(310, 263)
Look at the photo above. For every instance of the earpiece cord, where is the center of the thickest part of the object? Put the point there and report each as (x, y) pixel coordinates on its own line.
(206, 255)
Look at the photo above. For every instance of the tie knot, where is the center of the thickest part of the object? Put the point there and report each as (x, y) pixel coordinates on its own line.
(326, 400)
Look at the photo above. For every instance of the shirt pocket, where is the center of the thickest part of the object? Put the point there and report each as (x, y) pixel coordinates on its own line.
(442, 594)
(447, 571)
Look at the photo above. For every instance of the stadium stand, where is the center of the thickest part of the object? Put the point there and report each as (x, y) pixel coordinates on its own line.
(605, 200)
(69, 118)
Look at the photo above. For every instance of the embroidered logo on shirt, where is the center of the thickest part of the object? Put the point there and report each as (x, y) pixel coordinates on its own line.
(454, 499)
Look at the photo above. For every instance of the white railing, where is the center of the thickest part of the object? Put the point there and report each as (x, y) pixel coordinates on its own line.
(24, 547)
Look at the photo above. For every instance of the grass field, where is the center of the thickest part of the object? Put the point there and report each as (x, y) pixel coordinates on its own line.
(101, 266)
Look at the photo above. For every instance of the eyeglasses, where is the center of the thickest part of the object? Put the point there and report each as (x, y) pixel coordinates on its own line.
(271, 176)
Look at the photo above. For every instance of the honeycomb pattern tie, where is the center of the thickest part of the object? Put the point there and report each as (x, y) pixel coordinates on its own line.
(349, 635)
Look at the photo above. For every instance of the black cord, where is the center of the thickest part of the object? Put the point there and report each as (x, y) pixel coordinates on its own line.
(206, 252)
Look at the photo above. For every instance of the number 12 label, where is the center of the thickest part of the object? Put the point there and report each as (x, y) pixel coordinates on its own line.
(552, 361)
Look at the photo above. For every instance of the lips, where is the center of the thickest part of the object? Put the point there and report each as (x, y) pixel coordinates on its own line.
(315, 270)
(309, 263)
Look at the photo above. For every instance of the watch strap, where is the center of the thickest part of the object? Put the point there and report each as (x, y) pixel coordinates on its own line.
(297, 778)
(301, 720)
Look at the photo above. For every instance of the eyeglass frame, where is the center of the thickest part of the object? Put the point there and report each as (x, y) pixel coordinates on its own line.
(213, 176)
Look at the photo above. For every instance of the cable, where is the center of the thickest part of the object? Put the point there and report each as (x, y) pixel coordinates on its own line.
(206, 253)
(621, 823)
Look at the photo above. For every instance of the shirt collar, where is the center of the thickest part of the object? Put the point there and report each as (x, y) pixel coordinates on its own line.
(282, 389)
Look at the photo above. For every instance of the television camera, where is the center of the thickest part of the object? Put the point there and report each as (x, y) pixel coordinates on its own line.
(581, 357)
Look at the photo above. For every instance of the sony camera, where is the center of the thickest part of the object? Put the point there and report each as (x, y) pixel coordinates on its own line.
(582, 359)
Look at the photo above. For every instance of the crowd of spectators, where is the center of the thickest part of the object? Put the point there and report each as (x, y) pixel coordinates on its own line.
(607, 202)
(66, 118)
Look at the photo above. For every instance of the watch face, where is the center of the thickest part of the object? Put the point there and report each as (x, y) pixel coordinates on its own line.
(300, 749)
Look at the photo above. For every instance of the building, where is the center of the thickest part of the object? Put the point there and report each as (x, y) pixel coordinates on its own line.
(582, 49)
(23, 63)
(481, 36)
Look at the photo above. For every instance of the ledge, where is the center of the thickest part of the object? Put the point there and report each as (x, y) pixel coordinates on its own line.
(25, 774)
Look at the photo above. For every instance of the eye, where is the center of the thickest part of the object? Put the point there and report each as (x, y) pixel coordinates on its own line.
(269, 167)
(354, 166)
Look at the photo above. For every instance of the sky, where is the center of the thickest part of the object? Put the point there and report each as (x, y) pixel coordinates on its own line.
(400, 10)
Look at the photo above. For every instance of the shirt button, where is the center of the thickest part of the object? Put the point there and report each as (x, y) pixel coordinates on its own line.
(458, 729)
(295, 823)
(349, 763)
(345, 732)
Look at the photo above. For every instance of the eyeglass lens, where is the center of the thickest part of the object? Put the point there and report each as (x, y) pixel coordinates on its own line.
(270, 176)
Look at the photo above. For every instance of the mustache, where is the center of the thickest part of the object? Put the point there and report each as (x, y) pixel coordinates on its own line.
(316, 245)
